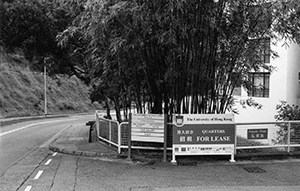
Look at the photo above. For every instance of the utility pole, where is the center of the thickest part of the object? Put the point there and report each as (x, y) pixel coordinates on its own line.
(45, 88)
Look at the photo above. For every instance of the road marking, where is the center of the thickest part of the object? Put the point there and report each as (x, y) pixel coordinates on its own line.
(28, 188)
(48, 162)
(27, 126)
(38, 174)
(54, 154)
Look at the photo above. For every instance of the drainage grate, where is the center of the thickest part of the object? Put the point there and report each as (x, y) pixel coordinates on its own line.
(186, 163)
(254, 169)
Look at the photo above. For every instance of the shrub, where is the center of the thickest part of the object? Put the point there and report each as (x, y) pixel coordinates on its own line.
(287, 112)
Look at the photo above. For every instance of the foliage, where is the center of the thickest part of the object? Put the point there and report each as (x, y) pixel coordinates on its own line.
(286, 112)
(32, 26)
(177, 56)
(22, 91)
(164, 56)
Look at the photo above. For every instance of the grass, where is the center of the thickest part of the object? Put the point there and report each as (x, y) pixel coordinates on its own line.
(22, 91)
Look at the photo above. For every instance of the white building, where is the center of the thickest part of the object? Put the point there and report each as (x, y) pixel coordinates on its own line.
(283, 84)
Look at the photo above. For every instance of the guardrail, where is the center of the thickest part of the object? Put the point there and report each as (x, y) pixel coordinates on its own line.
(279, 136)
(284, 135)
(108, 131)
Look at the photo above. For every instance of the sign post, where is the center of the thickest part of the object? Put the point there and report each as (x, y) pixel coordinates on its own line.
(165, 138)
(129, 137)
(207, 134)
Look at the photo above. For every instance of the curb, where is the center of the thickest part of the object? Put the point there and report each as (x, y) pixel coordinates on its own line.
(98, 156)
(63, 150)
(143, 161)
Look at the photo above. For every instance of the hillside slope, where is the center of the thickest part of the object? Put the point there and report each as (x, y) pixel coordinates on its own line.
(22, 91)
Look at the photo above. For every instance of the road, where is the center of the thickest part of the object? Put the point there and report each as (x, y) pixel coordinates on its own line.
(35, 168)
(19, 140)
(73, 173)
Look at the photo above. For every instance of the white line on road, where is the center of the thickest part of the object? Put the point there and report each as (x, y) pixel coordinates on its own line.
(24, 127)
(54, 154)
(48, 162)
(38, 174)
(28, 188)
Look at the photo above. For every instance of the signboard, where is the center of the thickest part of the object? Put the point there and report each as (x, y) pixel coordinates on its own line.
(147, 127)
(257, 134)
(208, 134)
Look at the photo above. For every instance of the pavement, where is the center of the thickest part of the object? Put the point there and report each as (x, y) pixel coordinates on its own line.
(218, 174)
(76, 140)
(79, 140)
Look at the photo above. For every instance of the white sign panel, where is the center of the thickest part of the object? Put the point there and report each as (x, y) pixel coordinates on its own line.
(203, 119)
(203, 134)
(203, 149)
(147, 127)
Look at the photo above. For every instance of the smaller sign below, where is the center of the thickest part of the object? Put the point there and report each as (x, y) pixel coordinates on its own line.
(203, 149)
(257, 134)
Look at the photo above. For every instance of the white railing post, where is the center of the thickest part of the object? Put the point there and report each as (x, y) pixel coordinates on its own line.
(97, 125)
(109, 132)
(119, 138)
(289, 137)
(235, 137)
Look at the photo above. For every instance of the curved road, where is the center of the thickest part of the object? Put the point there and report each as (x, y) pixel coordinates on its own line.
(19, 140)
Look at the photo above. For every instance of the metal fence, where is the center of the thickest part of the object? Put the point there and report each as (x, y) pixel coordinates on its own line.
(280, 136)
(250, 137)
(108, 131)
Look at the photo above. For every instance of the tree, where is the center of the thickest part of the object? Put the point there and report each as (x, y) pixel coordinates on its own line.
(287, 112)
(178, 56)
(32, 27)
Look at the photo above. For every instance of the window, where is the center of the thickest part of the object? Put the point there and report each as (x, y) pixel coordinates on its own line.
(260, 84)
(262, 50)
(265, 50)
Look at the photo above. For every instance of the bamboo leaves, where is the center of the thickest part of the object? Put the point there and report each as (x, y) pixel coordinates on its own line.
(178, 56)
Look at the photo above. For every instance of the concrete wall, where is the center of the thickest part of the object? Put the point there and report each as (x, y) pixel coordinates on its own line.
(284, 85)
(293, 69)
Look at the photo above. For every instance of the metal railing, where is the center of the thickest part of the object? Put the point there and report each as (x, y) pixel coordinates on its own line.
(280, 136)
(108, 131)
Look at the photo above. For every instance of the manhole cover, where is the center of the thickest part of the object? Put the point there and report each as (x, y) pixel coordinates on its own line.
(254, 169)
(185, 163)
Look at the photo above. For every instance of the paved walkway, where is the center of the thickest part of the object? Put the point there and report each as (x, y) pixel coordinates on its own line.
(208, 175)
(75, 140)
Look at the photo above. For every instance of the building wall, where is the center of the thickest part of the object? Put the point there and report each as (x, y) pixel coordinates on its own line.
(293, 69)
(284, 85)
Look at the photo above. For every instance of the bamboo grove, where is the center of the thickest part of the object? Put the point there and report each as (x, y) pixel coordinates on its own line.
(170, 56)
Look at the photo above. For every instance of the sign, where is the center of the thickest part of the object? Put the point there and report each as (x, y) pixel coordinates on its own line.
(147, 127)
(208, 134)
(257, 134)
(203, 149)
(188, 119)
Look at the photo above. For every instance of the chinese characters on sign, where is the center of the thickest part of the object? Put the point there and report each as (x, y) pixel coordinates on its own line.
(257, 134)
(195, 134)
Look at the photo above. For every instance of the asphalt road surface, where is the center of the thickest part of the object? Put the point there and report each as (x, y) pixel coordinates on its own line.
(28, 165)
(19, 140)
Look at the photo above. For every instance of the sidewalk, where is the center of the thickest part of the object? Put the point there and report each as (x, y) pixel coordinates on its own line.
(75, 140)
